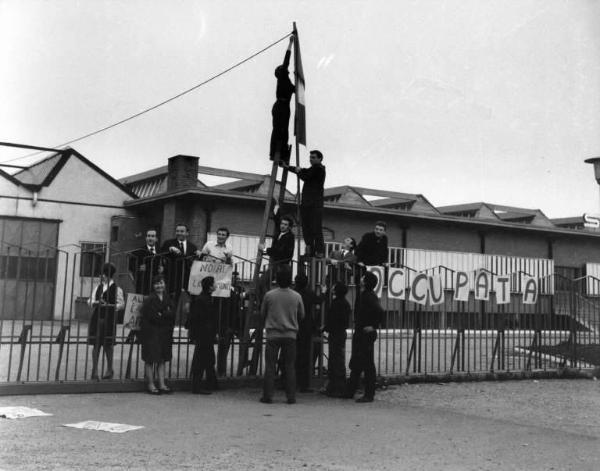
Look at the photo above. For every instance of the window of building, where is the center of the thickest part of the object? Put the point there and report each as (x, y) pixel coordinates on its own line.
(114, 233)
(27, 249)
(93, 255)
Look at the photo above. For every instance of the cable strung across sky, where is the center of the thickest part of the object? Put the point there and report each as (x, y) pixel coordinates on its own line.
(168, 100)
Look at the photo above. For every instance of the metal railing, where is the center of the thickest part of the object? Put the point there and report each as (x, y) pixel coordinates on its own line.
(44, 323)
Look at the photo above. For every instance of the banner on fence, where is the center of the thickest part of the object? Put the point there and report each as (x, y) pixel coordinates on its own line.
(461, 286)
(482, 285)
(419, 289)
(221, 273)
(529, 289)
(379, 272)
(502, 289)
(397, 283)
(423, 288)
(133, 317)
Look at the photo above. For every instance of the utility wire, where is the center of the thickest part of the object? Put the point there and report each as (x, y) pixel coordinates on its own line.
(147, 110)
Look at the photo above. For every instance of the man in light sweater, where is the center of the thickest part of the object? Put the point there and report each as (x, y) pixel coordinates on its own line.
(281, 308)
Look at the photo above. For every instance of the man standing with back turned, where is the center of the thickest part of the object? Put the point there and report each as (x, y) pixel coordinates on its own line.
(311, 206)
(281, 308)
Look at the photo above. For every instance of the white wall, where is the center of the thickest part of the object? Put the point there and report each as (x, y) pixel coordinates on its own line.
(75, 183)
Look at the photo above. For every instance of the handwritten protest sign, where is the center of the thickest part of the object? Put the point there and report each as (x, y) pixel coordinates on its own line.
(133, 317)
(221, 272)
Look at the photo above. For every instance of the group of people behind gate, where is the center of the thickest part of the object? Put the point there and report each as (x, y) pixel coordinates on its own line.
(162, 274)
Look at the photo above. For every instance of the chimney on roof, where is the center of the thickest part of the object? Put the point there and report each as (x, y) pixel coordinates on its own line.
(182, 172)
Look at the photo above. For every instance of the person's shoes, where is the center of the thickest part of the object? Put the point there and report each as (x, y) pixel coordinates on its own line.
(307, 390)
(108, 375)
(95, 377)
(153, 391)
(291, 401)
(266, 400)
(165, 390)
(334, 394)
(365, 399)
(205, 392)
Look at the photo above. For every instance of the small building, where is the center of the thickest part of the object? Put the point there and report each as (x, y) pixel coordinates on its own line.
(55, 223)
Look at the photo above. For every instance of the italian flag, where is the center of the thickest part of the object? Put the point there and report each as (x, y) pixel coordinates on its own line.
(300, 118)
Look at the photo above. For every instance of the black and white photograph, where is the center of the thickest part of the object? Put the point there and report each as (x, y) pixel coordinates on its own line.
(289, 235)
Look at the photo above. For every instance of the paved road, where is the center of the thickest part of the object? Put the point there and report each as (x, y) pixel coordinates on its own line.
(527, 425)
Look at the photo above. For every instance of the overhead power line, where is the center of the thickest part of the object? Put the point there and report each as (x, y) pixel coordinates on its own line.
(168, 100)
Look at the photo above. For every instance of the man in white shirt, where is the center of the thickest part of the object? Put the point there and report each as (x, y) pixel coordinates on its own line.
(218, 251)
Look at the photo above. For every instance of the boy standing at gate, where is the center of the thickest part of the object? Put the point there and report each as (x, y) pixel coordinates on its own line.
(368, 316)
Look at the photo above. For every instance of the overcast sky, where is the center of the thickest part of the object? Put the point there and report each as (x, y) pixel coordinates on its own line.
(459, 100)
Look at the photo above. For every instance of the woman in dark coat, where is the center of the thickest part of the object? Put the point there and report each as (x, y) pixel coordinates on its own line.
(158, 320)
(107, 300)
(202, 332)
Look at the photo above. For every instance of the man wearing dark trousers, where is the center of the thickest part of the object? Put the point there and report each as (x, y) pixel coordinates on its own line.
(311, 206)
(282, 309)
(281, 109)
(202, 324)
(145, 263)
(307, 327)
(368, 316)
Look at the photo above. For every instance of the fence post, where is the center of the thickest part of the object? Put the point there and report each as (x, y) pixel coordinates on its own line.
(23, 341)
(60, 340)
(455, 350)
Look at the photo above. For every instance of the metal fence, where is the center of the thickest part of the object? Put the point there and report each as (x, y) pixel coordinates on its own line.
(45, 315)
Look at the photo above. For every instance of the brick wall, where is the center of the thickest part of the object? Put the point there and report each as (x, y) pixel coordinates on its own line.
(183, 172)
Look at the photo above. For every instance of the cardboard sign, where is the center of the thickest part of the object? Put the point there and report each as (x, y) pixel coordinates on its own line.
(419, 289)
(221, 272)
(529, 289)
(436, 290)
(133, 317)
(397, 283)
(502, 289)
(378, 271)
(483, 285)
(461, 286)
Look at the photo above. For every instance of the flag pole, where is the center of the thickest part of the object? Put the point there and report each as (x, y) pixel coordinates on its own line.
(297, 144)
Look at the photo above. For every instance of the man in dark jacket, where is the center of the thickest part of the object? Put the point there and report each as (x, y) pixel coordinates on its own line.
(282, 248)
(179, 254)
(281, 109)
(145, 263)
(307, 327)
(367, 318)
(311, 207)
(338, 320)
(373, 247)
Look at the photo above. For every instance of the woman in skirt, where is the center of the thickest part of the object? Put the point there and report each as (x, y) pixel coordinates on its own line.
(158, 320)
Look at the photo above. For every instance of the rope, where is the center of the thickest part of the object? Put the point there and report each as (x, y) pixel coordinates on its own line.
(147, 110)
